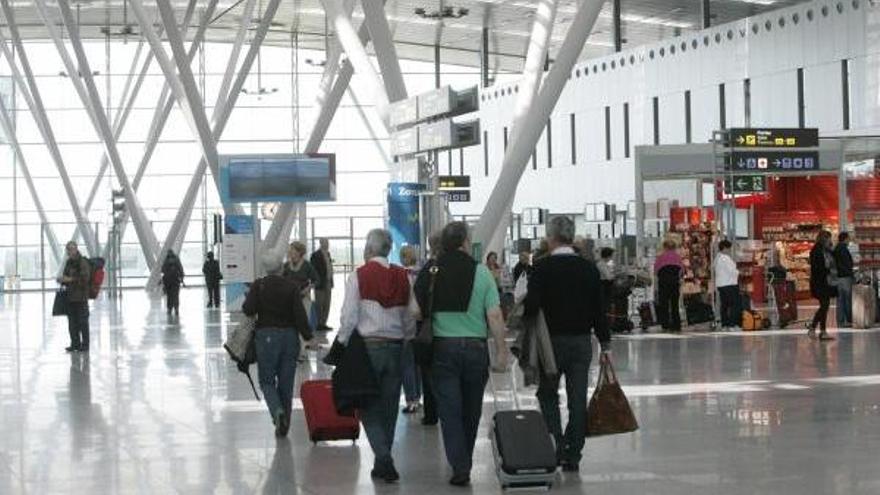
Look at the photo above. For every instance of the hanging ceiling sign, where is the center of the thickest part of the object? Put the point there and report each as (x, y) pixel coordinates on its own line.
(774, 137)
(774, 161)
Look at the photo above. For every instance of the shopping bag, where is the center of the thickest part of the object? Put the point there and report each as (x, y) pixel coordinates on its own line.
(608, 412)
(59, 306)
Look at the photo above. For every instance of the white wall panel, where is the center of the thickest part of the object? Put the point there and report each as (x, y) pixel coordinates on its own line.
(769, 58)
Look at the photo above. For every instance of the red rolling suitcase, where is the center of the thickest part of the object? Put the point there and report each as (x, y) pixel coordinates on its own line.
(323, 422)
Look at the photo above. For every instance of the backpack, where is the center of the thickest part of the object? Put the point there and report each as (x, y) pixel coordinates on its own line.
(96, 276)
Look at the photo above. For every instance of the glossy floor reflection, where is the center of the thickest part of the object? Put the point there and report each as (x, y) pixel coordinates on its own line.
(158, 408)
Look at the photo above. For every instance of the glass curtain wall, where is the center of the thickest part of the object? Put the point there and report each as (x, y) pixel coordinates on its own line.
(274, 115)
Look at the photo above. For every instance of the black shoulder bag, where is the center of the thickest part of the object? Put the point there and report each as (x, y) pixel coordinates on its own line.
(425, 337)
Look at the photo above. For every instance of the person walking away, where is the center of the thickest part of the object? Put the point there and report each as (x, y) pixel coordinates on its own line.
(567, 288)
(668, 268)
(276, 302)
(465, 299)
(843, 260)
(523, 266)
(727, 282)
(213, 276)
(377, 305)
(323, 265)
(412, 386)
(172, 278)
(76, 278)
(822, 283)
(423, 353)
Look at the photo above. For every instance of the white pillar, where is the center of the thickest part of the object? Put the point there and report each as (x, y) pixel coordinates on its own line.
(383, 46)
(533, 71)
(520, 149)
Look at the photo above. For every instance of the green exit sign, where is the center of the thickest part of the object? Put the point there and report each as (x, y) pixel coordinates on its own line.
(746, 184)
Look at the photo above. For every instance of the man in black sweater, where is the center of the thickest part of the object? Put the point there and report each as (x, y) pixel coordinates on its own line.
(568, 289)
(843, 260)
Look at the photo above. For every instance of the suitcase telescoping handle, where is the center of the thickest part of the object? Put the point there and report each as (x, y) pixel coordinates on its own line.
(512, 372)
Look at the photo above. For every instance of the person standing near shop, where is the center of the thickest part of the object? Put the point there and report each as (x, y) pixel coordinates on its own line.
(172, 279)
(668, 268)
(465, 307)
(76, 278)
(323, 265)
(844, 261)
(823, 279)
(727, 283)
(567, 288)
(213, 276)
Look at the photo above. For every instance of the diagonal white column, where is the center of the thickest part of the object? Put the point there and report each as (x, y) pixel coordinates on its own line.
(383, 46)
(246, 17)
(357, 54)
(145, 234)
(182, 83)
(181, 221)
(38, 110)
(520, 149)
(9, 131)
(165, 104)
(533, 70)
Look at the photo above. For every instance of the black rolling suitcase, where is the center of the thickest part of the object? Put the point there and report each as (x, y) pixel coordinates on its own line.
(525, 455)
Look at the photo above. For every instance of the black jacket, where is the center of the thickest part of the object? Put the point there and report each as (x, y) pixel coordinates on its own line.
(844, 261)
(172, 272)
(211, 270)
(354, 381)
(819, 272)
(569, 291)
(319, 263)
(276, 301)
(521, 268)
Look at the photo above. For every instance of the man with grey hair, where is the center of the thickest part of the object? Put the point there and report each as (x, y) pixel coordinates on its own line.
(567, 288)
(377, 305)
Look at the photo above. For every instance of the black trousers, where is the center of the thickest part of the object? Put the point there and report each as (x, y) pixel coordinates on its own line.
(172, 294)
(214, 294)
(731, 306)
(430, 403)
(819, 319)
(668, 314)
(78, 324)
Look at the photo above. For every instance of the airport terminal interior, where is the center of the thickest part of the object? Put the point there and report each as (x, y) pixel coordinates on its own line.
(707, 172)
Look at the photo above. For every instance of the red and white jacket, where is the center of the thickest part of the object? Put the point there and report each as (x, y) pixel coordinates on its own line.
(377, 302)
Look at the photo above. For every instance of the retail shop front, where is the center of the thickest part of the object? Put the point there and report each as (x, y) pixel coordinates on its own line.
(774, 212)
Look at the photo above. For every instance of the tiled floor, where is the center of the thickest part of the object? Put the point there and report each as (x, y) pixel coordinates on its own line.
(157, 408)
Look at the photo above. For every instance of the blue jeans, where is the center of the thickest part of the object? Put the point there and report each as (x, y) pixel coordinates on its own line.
(573, 355)
(380, 417)
(460, 372)
(844, 301)
(78, 324)
(412, 386)
(277, 349)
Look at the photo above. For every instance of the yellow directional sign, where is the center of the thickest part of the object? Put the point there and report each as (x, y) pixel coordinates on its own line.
(775, 137)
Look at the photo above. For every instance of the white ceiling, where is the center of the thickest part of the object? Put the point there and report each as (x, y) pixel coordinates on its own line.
(509, 22)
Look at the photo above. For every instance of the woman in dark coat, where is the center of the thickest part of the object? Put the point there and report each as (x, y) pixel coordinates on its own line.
(172, 278)
(823, 276)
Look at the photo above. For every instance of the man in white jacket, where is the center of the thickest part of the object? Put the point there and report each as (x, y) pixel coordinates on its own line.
(727, 282)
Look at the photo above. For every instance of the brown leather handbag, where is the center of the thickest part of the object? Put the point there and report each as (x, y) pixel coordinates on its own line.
(609, 412)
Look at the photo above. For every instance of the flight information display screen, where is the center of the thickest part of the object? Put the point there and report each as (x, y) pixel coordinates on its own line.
(282, 178)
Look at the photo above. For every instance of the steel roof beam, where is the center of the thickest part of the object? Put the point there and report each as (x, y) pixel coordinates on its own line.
(520, 149)
(221, 118)
(145, 234)
(38, 110)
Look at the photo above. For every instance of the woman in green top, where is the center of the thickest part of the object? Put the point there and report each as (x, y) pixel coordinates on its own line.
(464, 298)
